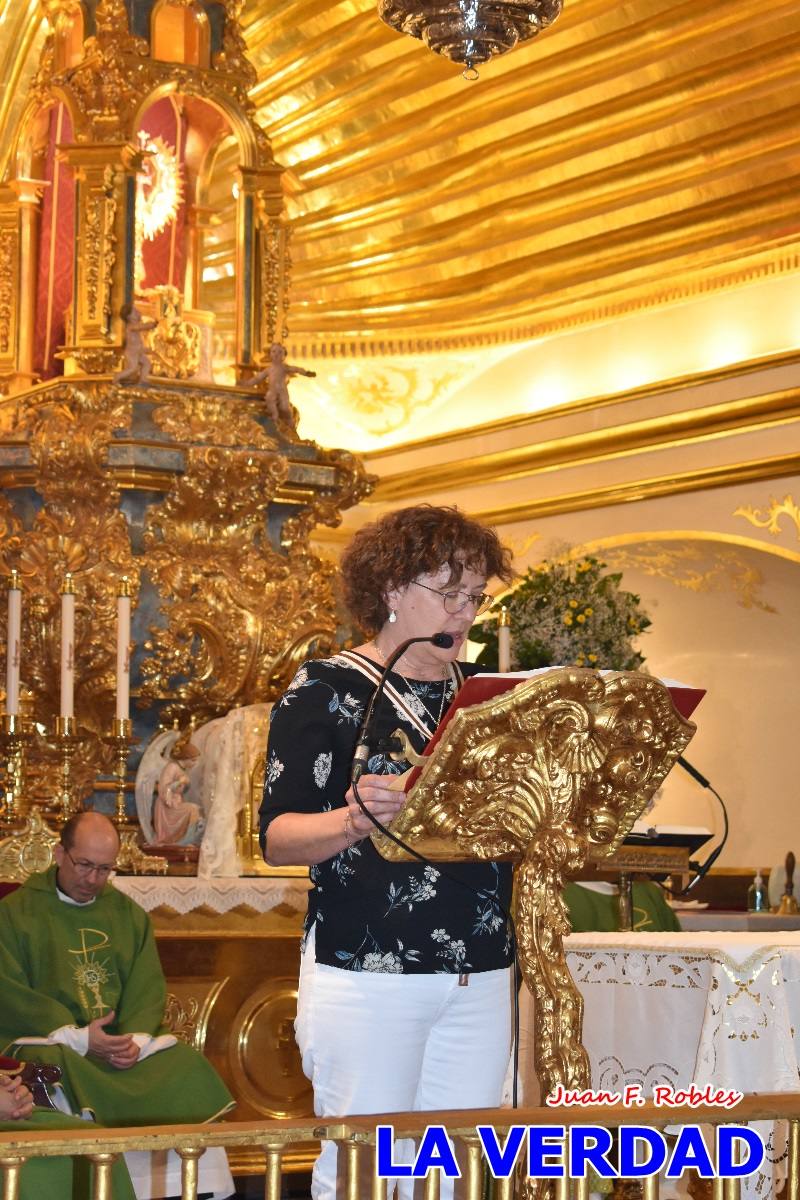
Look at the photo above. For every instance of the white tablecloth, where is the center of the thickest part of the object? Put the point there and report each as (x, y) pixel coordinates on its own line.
(718, 1009)
(184, 893)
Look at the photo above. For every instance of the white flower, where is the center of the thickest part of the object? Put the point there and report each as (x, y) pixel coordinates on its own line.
(385, 964)
(416, 705)
(439, 935)
(299, 680)
(274, 768)
(322, 768)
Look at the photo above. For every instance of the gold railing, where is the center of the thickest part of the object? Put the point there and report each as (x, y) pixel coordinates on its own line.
(355, 1137)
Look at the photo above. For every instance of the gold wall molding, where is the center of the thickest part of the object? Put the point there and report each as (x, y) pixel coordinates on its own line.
(654, 488)
(677, 383)
(769, 518)
(657, 433)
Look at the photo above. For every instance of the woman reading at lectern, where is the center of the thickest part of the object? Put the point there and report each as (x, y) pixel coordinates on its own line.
(404, 1000)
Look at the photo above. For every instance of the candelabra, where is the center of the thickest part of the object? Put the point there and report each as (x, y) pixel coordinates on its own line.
(66, 738)
(120, 739)
(15, 734)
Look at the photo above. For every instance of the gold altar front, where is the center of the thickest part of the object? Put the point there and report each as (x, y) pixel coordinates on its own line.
(232, 993)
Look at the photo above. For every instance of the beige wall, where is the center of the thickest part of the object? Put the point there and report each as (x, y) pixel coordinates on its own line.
(655, 480)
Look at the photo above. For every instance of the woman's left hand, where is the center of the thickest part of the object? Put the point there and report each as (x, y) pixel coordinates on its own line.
(379, 799)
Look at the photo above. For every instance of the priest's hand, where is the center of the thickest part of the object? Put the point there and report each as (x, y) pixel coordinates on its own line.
(119, 1050)
(16, 1102)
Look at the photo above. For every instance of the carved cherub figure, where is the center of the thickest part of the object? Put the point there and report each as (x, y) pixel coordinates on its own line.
(276, 394)
(136, 368)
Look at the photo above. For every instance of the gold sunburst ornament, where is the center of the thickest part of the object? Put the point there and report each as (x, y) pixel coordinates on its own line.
(159, 192)
(470, 32)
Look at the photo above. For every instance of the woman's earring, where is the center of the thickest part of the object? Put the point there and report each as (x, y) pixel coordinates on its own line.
(392, 616)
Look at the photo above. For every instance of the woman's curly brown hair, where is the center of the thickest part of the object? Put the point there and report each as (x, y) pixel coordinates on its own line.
(402, 545)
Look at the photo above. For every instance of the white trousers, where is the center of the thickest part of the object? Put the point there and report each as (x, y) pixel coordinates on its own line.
(373, 1043)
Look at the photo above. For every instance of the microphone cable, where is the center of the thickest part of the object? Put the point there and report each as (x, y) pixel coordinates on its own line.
(360, 759)
(701, 869)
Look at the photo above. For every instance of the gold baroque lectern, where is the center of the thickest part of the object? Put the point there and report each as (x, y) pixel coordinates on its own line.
(549, 774)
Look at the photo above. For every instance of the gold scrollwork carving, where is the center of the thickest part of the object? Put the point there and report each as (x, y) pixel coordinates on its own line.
(561, 765)
(8, 274)
(99, 248)
(187, 1014)
(768, 518)
(203, 417)
(233, 57)
(237, 609)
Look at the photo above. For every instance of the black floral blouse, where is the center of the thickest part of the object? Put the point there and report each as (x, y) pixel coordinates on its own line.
(370, 914)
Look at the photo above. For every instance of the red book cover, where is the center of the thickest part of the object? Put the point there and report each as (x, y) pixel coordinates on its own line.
(486, 686)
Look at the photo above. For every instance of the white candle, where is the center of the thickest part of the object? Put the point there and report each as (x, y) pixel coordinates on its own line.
(13, 645)
(123, 652)
(67, 648)
(504, 641)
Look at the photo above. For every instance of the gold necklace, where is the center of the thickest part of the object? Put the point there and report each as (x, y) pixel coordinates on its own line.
(436, 720)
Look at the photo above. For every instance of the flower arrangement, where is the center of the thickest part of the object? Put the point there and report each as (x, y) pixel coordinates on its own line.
(567, 612)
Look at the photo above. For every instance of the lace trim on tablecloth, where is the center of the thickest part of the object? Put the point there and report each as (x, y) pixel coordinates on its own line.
(183, 895)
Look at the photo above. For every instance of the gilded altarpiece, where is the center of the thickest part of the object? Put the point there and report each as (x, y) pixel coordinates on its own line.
(179, 483)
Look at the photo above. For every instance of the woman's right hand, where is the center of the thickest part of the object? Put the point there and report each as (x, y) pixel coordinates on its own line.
(378, 798)
(16, 1102)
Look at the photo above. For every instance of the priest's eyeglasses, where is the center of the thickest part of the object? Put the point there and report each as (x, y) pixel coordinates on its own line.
(88, 868)
(455, 602)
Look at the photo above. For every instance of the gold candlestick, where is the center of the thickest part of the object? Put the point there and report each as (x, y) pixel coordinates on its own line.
(121, 739)
(66, 738)
(15, 734)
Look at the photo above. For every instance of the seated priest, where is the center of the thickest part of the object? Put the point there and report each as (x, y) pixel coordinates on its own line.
(53, 1177)
(595, 906)
(80, 979)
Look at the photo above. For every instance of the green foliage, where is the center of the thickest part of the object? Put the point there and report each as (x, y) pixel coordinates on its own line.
(566, 613)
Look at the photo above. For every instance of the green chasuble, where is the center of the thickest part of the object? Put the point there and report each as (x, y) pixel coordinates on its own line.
(65, 964)
(590, 910)
(61, 1178)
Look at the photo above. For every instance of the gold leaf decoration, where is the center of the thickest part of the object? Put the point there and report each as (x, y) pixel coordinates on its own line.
(697, 568)
(769, 518)
(235, 609)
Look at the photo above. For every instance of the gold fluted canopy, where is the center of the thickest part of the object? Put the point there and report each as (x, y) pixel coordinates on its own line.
(632, 154)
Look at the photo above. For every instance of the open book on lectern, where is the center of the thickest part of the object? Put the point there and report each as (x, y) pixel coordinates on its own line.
(478, 688)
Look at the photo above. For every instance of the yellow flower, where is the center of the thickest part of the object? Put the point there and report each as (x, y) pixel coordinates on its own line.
(592, 658)
(567, 618)
(573, 603)
(588, 611)
(584, 566)
(579, 661)
(581, 619)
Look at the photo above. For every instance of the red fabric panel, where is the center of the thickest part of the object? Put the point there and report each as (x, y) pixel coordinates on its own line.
(164, 257)
(56, 251)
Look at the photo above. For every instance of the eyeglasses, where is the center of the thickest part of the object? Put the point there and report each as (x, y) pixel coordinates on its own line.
(455, 602)
(88, 868)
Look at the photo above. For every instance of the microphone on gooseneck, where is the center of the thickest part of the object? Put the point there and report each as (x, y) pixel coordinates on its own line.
(444, 641)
